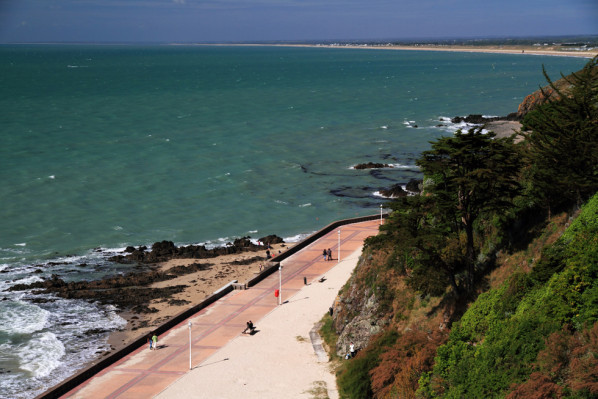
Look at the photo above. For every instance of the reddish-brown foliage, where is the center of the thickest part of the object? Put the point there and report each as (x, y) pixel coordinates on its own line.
(539, 386)
(401, 366)
(584, 365)
(568, 360)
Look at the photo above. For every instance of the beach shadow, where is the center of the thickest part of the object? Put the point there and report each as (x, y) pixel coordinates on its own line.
(161, 347)
(296, 300)
(209, 364)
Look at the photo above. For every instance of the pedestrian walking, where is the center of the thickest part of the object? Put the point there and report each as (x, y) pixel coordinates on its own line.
(149, 339)
(155, 341)
(329, 254)
(325, 253)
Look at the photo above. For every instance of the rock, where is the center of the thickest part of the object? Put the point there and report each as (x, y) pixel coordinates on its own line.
(394, 191)
(271, 239)
(356, 320)
(478, 119)
(372, 165)
(415, 185)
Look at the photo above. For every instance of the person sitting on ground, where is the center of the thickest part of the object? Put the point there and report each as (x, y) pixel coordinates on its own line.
(250, 328)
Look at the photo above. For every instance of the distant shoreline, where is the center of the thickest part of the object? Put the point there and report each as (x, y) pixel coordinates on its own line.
(523, 50)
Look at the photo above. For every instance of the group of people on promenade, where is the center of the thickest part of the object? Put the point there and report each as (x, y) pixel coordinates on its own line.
(327, 254)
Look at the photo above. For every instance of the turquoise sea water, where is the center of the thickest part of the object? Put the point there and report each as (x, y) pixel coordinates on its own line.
(109, 146)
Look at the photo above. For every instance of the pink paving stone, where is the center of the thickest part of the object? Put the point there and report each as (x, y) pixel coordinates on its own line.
(147, 386)
(220, 336)
(181, 363)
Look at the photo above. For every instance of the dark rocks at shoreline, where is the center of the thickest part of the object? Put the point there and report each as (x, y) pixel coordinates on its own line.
(247, 261)
(415, 185)
(271, 239)
(125, 291)
(372, 165)
(165, 250)
(132, 290)
(480, 120)
(394, 191)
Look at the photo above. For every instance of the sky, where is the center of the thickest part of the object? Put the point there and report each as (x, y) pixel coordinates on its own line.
(185, 21)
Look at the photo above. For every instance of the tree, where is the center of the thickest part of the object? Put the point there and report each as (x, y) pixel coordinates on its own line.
(470, 174)
(563, 143)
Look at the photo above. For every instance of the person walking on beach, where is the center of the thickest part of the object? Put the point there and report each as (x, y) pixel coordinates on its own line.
(329, 254)
(149, 339)
(155, 341)
(325, 253)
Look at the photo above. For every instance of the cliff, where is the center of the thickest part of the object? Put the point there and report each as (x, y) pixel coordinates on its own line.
(532, 306)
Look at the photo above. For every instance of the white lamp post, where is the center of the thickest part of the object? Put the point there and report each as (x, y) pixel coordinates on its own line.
(280, 284)
(339, 246)
(380, 214)
(190, 345)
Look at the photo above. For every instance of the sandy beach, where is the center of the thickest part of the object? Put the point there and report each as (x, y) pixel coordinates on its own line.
(199, 285)
(279, 360)
(529, 50)
(523, 50)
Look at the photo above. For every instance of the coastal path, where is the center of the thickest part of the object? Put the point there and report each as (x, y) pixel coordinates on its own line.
(144, 373)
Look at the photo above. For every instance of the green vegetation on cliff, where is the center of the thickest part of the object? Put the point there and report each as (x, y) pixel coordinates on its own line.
(495, 346)
(470, 293)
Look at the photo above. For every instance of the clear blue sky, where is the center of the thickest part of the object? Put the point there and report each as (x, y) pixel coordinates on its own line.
(266, 20)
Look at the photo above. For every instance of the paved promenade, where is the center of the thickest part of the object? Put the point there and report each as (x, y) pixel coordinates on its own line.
(146, 374)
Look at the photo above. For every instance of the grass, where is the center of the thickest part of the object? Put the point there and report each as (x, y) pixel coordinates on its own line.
(319, 390)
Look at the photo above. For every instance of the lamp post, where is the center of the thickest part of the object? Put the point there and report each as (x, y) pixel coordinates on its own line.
(190, 345)
(339, 245)
(280, 284)
(380, 214)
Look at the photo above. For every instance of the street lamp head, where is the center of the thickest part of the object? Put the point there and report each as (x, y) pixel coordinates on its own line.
(189, 324)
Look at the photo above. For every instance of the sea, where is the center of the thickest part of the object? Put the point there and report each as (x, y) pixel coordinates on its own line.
(106, 146)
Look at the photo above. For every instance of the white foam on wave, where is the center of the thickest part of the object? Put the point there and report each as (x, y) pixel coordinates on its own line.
(297, 237)
(18, 317)
(451, 127)
(379, 194)
(28, 280)
(41, 354)
(304, 205)
(22, 244)
(401, 166)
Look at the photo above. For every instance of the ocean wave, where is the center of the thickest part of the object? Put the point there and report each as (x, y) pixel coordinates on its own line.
(18, 317)
(297, 237)
(28, 280)
(380, 195)
(41, 355)
(401, 166)
(448, 125)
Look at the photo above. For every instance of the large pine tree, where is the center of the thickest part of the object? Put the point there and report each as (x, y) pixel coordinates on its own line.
(469, 174)
(563, 143)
